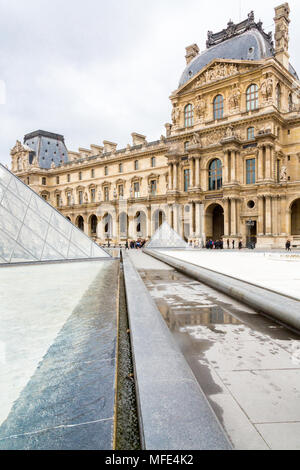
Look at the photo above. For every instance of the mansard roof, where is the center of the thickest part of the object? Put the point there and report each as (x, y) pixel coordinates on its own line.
(48, 147)
(243, 41)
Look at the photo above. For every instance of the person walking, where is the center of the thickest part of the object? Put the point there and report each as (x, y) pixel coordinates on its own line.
(228, 242)
(288, 245)
(233, 243)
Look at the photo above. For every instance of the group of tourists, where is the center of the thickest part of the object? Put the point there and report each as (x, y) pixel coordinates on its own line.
(135, 244)
(212, 245)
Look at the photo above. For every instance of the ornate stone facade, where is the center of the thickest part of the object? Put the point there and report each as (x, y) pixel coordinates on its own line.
(227, 168)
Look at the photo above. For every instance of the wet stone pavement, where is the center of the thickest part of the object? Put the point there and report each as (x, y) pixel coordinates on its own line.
(247, 365)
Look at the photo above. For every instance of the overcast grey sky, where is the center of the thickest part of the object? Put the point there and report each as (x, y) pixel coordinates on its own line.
(97, 70)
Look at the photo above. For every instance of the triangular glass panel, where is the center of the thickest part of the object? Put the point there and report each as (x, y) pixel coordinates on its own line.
(82, 241)
(49, 254)
(61, 243)
(9, 223)
(6, 246)
(59, 223)
(75, 253)
(166, 237)
(5, 176)
(14, 205)
(31, 242)
(32, 230)
(20, 255)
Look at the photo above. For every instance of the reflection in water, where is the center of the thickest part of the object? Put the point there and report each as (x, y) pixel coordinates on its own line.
(214, 315)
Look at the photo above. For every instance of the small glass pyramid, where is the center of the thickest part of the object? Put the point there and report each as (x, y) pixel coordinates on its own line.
(166, 237)
(31, 230)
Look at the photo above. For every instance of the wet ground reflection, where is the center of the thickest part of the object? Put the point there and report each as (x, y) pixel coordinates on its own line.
(227, 343)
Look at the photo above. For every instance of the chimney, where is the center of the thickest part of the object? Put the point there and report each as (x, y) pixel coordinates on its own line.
(282, 21)
(138, 139)
(191, 52)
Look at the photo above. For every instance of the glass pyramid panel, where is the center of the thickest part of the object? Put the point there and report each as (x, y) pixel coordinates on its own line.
(166, 237)
(32, 230)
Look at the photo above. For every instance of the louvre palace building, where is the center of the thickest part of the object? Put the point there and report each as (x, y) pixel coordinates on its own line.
(228, 166)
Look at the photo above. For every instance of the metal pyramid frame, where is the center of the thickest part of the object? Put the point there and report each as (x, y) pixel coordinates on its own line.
(31, 230)
(166, 237)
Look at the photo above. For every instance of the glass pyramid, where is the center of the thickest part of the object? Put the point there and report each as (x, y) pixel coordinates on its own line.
(166, 237)
(32, 230)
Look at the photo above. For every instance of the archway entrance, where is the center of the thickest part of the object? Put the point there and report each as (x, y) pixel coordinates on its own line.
(80, 223)
(295, 215)
(214, 219)
(107, 225)
(140, 224)
(93, 225)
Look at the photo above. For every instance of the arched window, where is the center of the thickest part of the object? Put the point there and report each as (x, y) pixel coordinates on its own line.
(250, 133)
(94, 224)
(278, 96)
(215, 175)
(188, 115)
(218, 107)
(252, 97)
(291, 104)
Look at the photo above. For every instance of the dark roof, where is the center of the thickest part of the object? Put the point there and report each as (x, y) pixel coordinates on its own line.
(48, 147)
(244, 41)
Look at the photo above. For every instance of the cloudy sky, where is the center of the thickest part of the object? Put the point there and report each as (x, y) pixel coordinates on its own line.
(97, 70)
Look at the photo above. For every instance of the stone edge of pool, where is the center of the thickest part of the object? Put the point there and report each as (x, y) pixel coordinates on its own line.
(174, 413)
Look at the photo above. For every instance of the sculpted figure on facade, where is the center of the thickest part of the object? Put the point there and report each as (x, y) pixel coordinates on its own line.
(266, 89)
(283, 174)
(234, 98)
(176, 115)
(282, 37)
(200, 108)
(196, 139)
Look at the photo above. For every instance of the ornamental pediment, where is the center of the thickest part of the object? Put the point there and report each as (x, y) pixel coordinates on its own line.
(218, 70)
(19, 148)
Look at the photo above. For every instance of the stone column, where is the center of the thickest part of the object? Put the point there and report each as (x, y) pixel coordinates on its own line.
(199, 222)
(233, 217)
(233, 166)
(288, 222)
(149, 230)
(175, 218)
(226, 167)
(275, 215)
(131, 227)
(197, 172)
(268, 216)
(226, 218)
(170, 177)
(283, 226)
(175, 166)
(260, 158)
(260, 222)
(100, 228)
(238, 217)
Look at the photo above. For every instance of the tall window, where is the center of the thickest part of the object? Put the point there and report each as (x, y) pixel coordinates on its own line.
(69, 199)
(188, 115)
(106, 170)
(93, 173)
(121, 191)
(250, 171)
(153, 162)
(57, 200)
(215, 175)
(68, 178)
(153, 187)
(278, 96)
(80, 197)
(218, 107)
(252, 97)
(250, 133)
(93, 194)
(136, 165)
(106, 193)
(121, 168)
(186, 146)
(80, 176)
(136, 189)
(44, 181)
(186, 179)
(57, 180)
